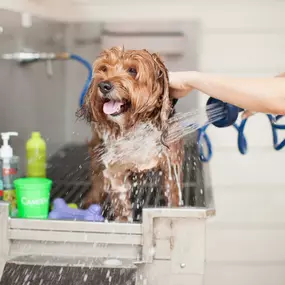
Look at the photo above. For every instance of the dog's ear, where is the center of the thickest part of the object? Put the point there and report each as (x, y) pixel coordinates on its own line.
(86, 111)
(162, 77)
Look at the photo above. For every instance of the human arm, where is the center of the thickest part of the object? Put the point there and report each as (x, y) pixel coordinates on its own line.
(265, 95)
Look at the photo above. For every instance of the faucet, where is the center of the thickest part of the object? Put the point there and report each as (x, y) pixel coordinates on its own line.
(29, 57)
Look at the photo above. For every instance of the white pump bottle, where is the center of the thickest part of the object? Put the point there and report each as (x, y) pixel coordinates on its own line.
(6, 155)
(6, 151)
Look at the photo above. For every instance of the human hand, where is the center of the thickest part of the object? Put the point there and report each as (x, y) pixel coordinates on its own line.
(179, 84)
(247, 113)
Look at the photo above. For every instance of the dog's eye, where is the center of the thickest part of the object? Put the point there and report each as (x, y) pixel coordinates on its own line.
(103, 68)
(132, 71)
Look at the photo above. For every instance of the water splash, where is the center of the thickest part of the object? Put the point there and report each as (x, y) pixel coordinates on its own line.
(183, 124)
(146, 142)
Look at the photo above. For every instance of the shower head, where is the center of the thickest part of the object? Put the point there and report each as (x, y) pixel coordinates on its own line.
(230, 113)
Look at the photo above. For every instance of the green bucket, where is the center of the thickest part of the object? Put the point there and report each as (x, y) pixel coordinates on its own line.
(33, 196)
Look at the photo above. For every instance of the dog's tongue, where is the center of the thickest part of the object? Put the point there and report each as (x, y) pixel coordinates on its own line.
(112, 107)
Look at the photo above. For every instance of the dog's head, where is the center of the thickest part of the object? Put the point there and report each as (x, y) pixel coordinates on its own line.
(128, 86)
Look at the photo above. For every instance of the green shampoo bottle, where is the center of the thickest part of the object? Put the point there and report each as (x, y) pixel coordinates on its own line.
(36, 156)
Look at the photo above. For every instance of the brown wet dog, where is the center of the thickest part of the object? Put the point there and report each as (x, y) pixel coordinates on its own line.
(129, 87)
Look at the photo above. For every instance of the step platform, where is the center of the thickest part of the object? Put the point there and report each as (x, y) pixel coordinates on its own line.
(67, 271)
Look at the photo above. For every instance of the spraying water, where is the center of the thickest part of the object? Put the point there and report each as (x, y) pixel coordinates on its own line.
(183, 124)
(146, 142)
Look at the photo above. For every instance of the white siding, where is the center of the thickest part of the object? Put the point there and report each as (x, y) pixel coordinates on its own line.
(246, 240)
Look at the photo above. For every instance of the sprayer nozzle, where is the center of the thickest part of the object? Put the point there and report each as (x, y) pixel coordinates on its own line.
(230, 113)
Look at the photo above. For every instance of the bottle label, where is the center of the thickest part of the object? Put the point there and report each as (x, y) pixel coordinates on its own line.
(9, 175)
(9, 171)
(10, 196)
(1, 190)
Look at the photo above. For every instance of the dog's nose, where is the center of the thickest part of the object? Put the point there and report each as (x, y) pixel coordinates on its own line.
(105, 86)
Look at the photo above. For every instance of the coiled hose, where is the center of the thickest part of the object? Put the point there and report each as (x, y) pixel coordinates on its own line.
(230, 116)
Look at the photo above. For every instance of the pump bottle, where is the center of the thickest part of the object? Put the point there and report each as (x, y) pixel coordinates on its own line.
(10, 163)
(10, 169)
(36, 156)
